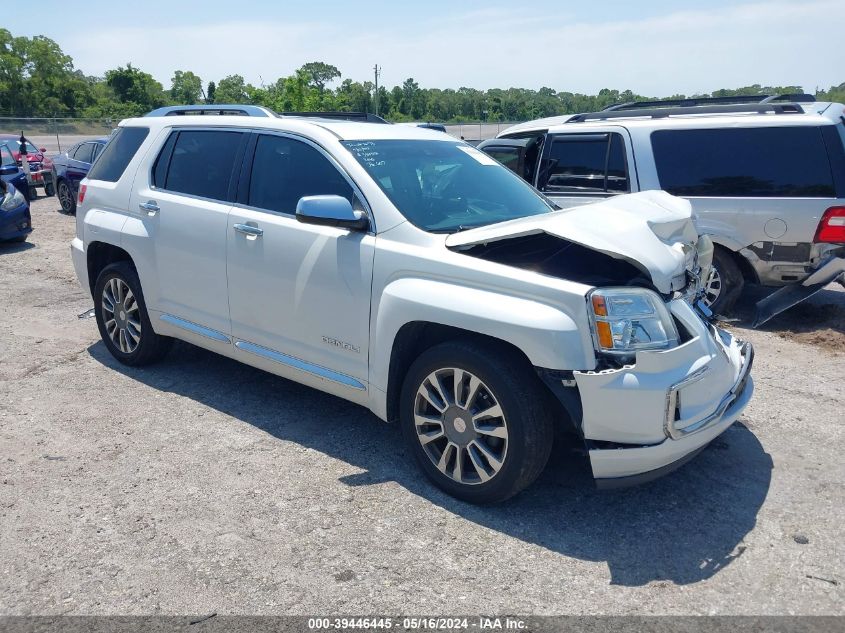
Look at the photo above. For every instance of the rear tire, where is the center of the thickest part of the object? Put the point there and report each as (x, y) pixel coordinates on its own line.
(66, 197)
(486, 440)
(50, 188)
(725, 284)
(123, 320)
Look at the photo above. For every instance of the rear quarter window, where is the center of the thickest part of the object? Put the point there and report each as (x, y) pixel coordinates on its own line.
(744, 162)
(117, 154)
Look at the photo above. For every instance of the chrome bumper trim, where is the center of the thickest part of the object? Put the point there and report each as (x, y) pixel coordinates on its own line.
(747, 353)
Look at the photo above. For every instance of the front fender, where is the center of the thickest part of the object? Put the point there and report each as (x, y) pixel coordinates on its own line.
(549, 337)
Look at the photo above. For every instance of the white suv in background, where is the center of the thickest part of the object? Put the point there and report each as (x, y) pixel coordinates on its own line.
(410, 273)
(765, 176)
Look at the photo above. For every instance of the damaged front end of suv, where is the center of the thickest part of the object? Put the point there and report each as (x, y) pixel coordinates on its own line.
(666, 379)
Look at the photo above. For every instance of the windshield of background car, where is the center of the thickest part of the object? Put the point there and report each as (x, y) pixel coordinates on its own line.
(444, 187)
(6, 157)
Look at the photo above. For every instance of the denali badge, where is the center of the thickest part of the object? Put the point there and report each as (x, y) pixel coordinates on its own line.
(349, 347)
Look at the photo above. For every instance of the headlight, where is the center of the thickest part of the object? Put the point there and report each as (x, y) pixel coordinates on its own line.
(12, 199)
(625, 320)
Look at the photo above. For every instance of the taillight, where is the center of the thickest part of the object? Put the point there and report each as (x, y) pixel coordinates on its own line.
(832, 226)
(82, 190)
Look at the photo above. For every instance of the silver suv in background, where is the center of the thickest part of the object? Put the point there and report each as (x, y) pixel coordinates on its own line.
(765, 176)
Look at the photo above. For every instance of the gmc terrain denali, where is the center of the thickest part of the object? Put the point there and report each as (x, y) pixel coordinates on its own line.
(408, 272)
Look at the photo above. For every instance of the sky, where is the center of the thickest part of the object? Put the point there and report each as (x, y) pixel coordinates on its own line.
(653, 47)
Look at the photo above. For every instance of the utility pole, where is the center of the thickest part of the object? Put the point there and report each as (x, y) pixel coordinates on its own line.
(377, 72)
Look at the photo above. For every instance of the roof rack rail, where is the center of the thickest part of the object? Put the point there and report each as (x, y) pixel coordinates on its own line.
(345, 116)
(234, 109)
(659, 113)
(696, 101)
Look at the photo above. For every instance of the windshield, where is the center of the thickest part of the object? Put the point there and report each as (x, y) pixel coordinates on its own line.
(6, 157)
(443, 187)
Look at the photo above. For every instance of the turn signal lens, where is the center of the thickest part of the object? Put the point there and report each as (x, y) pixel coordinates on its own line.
(832, 226)
(604, 334)
(82, 191)
(599, 306)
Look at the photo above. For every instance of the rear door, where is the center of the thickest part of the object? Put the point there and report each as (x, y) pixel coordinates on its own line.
(582, 167)
(299, 294)
(183, 203)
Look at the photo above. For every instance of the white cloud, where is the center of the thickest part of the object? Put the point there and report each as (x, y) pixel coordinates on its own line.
(683, 51)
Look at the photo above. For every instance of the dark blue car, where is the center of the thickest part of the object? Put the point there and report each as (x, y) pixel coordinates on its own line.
(15, 220)
(70, 167)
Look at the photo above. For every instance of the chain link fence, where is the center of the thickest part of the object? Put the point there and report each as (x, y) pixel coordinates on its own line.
(475, 132)
(57, 135)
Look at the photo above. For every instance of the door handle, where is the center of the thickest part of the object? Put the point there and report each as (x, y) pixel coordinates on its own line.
(150, 207)
(246, 229)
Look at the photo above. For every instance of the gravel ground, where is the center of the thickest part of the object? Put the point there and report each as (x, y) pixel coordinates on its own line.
(202, 485)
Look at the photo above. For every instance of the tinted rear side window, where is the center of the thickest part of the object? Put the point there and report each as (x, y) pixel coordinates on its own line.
(743, 162)
(586, 163)
(201, 163)
(508, 156)
(119, 151)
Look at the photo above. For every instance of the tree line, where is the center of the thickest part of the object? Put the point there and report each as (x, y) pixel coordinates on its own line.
(37, 79)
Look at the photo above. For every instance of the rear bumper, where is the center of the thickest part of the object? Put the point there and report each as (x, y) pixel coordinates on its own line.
(830, 271)
(15, 223)
(80, 263)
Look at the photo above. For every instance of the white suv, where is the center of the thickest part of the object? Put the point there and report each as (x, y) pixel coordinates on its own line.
(765, 176)
(410, 273)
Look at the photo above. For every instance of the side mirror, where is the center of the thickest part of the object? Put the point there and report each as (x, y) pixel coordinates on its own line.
(8, 170)
(330, 211)
(43, 150)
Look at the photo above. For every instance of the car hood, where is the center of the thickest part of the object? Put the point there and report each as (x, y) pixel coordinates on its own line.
(651, 230)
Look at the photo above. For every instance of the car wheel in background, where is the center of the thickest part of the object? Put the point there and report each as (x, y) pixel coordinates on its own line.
(66, 197)
(724, 285)
(32, 194)
(477, 420)
(122, 317)
(50, 187)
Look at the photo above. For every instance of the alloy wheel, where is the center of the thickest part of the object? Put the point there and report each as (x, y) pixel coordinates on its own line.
(121, 315)
(65, 197)
(712, 287)
(461, 426)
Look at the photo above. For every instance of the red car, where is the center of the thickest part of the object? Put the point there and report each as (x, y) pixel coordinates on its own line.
(40, 166)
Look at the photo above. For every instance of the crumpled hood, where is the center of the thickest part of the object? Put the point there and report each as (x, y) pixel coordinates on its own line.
(652, 230)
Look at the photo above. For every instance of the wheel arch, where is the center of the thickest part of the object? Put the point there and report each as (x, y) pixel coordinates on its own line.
(415, 337)
(101, 254)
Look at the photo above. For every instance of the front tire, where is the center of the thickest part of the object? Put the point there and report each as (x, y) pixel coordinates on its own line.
(123, 320)
(725, 283)
(477, 420)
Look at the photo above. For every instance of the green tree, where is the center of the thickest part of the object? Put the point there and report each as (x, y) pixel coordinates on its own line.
(134, 87)
(185, 88)
(319, 74)
(210, 92)
(231, 89)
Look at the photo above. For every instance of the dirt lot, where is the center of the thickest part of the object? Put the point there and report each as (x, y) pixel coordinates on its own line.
(202, 486)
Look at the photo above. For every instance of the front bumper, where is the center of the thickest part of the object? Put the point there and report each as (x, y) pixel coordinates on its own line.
(643, 419)
(15, 223)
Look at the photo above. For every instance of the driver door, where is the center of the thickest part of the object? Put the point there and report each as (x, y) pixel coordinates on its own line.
(299, 294)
